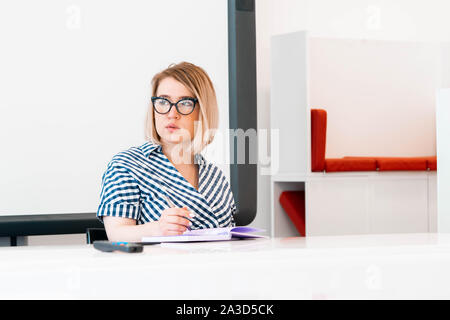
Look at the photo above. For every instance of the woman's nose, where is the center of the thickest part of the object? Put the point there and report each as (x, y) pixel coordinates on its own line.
(173, 113)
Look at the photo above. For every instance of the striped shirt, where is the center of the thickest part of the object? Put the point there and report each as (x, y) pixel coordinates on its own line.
(137, 180)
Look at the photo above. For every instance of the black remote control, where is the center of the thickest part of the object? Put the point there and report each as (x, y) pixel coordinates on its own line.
(110, 246)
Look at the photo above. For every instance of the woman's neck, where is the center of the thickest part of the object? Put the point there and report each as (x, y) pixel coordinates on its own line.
(178, 153)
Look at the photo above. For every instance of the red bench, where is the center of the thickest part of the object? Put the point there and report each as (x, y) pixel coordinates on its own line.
(293, 202)
(319, 163)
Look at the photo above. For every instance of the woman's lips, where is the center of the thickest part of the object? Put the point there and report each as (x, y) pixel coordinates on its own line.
(171, 128)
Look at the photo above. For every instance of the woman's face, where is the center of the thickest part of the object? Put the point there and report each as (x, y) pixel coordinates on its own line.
(174, 91)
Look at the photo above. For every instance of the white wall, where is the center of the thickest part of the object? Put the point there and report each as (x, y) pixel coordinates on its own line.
(75, 81)
(379, 95)
(408, 20)
(445, 59)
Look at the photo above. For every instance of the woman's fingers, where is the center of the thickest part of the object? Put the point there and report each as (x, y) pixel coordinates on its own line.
(181, 212)
(178, 220)
(174, 229)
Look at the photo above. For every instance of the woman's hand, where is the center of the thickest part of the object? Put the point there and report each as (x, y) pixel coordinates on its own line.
(174, 221)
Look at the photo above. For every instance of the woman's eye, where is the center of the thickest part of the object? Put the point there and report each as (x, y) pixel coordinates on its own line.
(186, 103)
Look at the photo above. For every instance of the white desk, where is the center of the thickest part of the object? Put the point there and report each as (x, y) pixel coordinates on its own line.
(344, 267)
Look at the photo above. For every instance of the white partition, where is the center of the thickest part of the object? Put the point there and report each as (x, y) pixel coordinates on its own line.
(289, 103)
(443, 155)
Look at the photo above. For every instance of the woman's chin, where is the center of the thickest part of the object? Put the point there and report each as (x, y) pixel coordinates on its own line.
(175, 139)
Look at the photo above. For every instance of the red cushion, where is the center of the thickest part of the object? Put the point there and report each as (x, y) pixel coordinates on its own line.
(432, 163)
(318, 139)
(319, 163)
(402, 164)
(350, 164)
(293, 203)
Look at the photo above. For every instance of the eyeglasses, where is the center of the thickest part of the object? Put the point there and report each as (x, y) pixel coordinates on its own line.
(184, 106)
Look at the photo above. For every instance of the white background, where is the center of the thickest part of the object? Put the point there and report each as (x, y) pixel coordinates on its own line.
(75, 87)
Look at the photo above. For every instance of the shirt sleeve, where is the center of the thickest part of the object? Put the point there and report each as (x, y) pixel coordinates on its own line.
(120, 194)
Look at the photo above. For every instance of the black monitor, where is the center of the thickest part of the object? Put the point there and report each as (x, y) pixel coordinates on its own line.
(243, 109)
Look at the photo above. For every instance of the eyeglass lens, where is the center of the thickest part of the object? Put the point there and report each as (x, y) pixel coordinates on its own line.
(184, 106)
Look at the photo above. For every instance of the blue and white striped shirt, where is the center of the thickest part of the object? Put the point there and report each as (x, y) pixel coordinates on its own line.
(136, 181)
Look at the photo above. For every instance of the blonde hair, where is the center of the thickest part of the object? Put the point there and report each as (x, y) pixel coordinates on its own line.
(198, 82)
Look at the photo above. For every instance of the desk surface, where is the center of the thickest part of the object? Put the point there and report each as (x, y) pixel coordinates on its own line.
(392, 266)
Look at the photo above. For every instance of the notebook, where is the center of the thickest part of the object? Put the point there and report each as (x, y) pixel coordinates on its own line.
(212, 234)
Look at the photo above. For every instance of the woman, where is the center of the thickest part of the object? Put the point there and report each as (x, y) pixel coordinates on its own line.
(165, 186)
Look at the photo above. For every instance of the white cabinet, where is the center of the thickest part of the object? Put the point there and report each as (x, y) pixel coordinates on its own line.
(336, 206)
(351, 203)
(399, 203)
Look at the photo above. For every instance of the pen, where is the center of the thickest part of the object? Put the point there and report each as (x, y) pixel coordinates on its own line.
(172, 206)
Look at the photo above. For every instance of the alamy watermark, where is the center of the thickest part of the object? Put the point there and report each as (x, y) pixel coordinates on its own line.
(230, 146)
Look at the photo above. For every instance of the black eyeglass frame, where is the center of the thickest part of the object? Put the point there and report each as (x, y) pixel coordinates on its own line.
(195, 100)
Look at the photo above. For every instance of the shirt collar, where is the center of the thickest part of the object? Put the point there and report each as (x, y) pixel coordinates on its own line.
(199, 159)
(150, 147)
